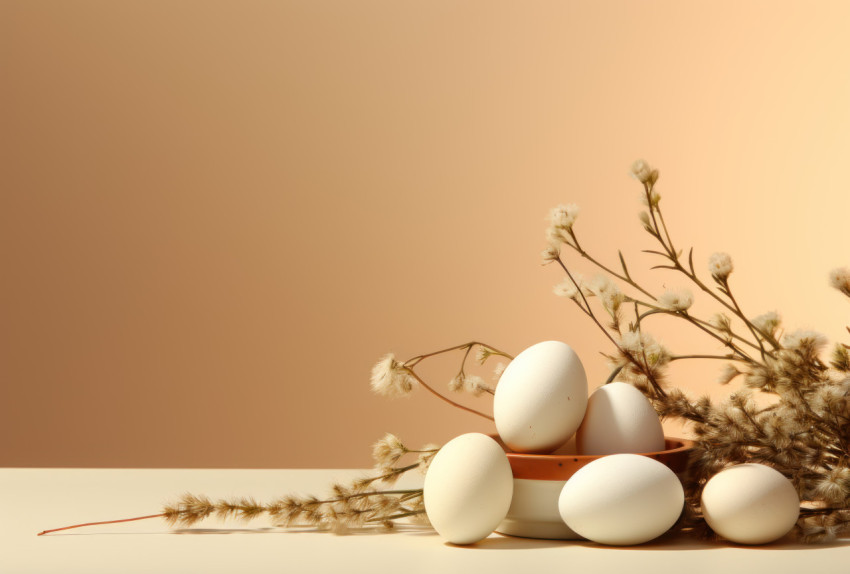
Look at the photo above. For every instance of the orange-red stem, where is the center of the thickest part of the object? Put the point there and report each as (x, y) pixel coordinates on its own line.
(448, 400)
(104, 522)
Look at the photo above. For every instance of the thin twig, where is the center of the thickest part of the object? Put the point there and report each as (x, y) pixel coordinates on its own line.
(644, 368)
(43, 532)
(413, 361)
(444, 398)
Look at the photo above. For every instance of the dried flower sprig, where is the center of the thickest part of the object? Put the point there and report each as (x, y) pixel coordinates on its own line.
(393, 378)
(804, 433)
(389, 450)
(358, 504)
(350, 506)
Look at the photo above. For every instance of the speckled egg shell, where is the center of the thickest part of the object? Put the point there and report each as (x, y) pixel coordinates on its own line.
(541, 398)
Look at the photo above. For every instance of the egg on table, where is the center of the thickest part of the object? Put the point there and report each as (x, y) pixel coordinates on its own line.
(622, 499)
(619, 419)
(541, 398)
(468, 488)
(750, 504)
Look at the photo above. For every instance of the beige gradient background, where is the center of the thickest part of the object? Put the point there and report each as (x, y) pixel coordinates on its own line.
(215, 216)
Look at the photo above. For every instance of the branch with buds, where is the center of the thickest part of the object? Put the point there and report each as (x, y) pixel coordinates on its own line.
(393, 378)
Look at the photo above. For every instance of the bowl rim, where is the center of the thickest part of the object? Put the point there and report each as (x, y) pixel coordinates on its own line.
(562, 466)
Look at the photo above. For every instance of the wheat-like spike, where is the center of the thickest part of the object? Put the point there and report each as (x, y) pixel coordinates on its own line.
(351, 505)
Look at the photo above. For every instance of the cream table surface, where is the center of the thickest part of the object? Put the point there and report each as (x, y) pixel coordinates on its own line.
(38, 499)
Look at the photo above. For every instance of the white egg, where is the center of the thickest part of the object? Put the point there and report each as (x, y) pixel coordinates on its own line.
(619, 419)
(750, 504)
(541, 398)
(468, 488)
(622, 499)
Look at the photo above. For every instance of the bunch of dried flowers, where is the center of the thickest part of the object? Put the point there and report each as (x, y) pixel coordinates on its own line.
(803, 432)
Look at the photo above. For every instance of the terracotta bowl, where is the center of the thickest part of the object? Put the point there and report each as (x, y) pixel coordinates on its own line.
(539, 478)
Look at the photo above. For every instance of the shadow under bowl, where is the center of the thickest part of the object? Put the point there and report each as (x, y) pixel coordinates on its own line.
(539, 479)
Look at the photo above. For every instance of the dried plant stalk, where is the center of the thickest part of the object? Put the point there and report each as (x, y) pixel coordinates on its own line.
(392, 378)
(358, 504)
